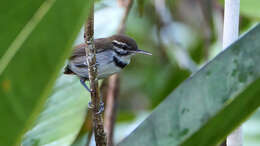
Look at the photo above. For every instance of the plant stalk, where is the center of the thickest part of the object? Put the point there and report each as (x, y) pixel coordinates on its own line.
(98, 126)
(230, 34)
(113, 85)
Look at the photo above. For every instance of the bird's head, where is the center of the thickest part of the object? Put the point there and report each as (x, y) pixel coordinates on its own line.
(124, 46)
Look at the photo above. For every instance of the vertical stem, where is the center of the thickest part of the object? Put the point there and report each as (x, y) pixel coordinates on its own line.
(121, 28)
(111, 105)
(231, 22)
(98, 127)
(235, 138)
(113, 87)
(230, 34)
(89, 137)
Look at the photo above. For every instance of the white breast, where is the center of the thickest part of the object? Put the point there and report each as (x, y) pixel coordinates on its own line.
(105, 64)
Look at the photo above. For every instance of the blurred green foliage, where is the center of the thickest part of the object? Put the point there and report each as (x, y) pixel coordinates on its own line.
(145, 83)
(34, 44)
(58, 113)
(210, 104)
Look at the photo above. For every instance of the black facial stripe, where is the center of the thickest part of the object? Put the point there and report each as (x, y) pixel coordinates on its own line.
(119, 63)
(122, 53)
(81, 65)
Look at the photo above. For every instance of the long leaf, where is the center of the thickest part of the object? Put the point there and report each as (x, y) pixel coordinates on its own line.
(36, 39)
(211, 103)
(62, 117)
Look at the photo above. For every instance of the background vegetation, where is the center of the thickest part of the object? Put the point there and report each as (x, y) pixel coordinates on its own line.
(37, 36)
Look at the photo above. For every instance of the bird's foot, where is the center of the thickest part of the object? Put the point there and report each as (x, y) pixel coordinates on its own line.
(101, 107)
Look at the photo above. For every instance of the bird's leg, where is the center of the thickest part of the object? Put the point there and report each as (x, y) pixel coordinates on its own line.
(90, 105)
(82, 81)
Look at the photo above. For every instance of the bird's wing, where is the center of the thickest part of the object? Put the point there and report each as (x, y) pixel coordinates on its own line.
(80, 61)
(79, 50)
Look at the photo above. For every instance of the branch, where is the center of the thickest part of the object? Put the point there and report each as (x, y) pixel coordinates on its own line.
(89, 137)
(111, 106)
(100, 136)
(230, 34)
(231, 22)
(121, 28)
(86, 127)
(113, 87)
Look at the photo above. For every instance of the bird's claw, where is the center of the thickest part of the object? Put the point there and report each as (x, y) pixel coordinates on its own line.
(90, 105)
(101, 107)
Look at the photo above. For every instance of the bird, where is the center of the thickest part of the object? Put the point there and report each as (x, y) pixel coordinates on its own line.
(112, 55)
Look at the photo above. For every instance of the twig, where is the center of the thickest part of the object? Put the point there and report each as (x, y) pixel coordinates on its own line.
(113, 88)
(111, 104)
(230, 34)
(100, 136)
(86, 127)
(121, 28)
(89, 137)
(231, 22)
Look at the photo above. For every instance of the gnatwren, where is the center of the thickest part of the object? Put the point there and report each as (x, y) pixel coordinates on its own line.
(112, 55)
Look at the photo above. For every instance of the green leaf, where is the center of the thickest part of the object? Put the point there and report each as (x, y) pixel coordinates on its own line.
(250, 8)
(81, 141)
(211, 103)
(36, 38)
(62, 117)
(237, 111)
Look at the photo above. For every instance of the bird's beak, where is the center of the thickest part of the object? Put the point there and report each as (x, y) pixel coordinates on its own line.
(142, 52)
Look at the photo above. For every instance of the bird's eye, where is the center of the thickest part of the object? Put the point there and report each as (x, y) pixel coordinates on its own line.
(124, 47)
(121, 51)
(115, 44)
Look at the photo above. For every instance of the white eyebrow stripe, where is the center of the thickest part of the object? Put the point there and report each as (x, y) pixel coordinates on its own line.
(119, 43)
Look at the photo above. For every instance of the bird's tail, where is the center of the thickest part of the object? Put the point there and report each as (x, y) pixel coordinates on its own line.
(67, 70)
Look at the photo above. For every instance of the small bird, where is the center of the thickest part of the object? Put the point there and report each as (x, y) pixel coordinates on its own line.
(112, 55)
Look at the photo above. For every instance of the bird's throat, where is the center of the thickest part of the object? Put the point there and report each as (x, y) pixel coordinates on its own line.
(119, 63)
